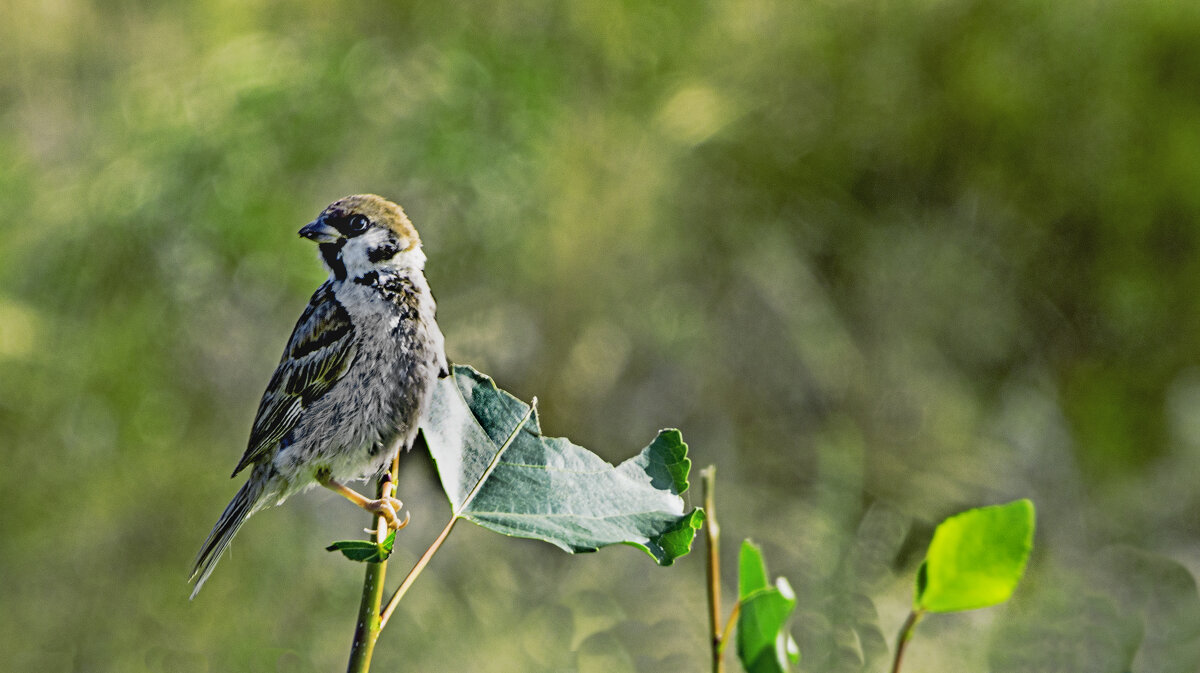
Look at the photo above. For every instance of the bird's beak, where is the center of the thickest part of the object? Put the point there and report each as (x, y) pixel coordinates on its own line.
(320, 232)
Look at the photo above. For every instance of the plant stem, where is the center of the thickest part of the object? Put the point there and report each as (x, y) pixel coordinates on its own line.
(906, 632)
(733, 616)
(366, 630)
(416, 571)
(712, 537)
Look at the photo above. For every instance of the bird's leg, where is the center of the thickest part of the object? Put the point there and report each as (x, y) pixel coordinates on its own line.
(387, 506)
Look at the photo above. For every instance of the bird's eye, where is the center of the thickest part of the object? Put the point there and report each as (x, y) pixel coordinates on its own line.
(358, 224)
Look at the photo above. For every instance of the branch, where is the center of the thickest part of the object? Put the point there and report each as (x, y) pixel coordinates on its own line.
(366, 629)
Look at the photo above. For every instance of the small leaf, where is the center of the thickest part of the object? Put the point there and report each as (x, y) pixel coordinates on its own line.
(752, 570)
(976, 558)
(509, 478)
(763, 642)
(365, 551)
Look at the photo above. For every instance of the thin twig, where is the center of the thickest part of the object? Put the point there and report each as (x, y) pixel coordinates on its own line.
(416, 570)
(733, 616)
(441, 538)
(906, 632)
(712, 536)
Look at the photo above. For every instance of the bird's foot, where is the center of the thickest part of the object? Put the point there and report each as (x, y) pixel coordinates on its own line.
(388, 508)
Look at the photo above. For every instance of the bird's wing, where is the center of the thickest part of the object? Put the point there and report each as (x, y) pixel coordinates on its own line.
(317, 356)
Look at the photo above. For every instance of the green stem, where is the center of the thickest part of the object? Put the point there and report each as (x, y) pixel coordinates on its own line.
(366, 630)
(906, 632)
(712, 537)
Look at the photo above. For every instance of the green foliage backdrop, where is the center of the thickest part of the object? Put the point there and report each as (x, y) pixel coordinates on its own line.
(880, 261)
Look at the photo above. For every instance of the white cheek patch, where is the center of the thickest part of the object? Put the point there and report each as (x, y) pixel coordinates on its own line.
(379, 249)
(358, 251)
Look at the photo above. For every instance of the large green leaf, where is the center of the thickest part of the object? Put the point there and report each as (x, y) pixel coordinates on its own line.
(519, 483)
(976, 558)
(763, 642)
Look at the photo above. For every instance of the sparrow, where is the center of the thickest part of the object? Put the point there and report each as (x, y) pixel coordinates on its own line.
(355, 377)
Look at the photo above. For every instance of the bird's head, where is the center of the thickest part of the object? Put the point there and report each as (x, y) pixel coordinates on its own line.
(363, 233)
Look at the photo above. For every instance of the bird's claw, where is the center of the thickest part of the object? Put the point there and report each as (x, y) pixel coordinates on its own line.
(389, 508)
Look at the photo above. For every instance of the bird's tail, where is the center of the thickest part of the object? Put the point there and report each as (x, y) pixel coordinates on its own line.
(236, 512)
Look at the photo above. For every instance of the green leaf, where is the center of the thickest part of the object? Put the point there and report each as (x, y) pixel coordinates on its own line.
(752, 570)
(763, 642)
(514, 481)
(976, 558)
(364, 550)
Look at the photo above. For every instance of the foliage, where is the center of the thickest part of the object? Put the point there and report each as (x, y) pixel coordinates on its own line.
(548, 488)
(976, 558)
(763, 642)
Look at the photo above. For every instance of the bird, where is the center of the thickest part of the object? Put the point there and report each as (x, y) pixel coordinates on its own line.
(355, 377)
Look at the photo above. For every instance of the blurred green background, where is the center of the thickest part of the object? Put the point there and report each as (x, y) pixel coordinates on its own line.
(879, 261)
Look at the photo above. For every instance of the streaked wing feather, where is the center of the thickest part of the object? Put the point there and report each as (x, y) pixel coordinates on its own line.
(318, 354)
